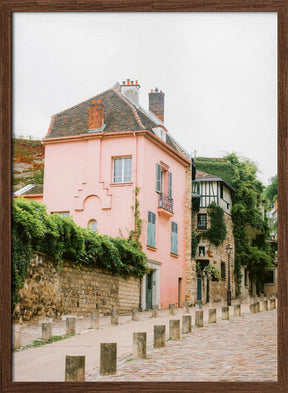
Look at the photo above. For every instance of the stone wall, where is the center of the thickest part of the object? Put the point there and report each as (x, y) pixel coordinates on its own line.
(190, 272)
(51, 290)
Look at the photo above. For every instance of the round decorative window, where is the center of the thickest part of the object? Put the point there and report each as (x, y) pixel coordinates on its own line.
(93, 225)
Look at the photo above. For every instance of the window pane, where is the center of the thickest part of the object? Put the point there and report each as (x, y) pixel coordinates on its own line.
(127, 170)
(117, 170)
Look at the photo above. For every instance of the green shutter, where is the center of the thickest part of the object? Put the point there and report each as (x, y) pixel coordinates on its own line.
(170, 185)
(158, 177)
(174, 238)
(151, 229)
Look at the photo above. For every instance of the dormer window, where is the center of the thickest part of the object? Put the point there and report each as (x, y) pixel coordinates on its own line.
(160, 133)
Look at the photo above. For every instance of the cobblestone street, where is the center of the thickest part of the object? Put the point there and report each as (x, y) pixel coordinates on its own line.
(240, 349)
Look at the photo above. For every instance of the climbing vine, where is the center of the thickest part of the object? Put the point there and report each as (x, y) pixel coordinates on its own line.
(250, 227)
(135, 234)
(216, 234)
(33, 229)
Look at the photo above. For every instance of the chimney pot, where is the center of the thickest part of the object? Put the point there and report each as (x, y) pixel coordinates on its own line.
(156, 103)
(136, 82)
(96, 115)
(93, 102)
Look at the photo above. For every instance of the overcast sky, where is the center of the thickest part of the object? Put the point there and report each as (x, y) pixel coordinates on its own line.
(218, 72)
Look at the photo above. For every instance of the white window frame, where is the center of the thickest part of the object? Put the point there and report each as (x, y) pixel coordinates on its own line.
(122, 180)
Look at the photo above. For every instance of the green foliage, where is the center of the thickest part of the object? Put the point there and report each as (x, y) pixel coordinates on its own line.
(216, 234)
(134, 235)
(215, 274)
(271, 191)
(247, 213)
(248, 218)
(209, 269)
(220, 167)
(194, 244)
(59, 237)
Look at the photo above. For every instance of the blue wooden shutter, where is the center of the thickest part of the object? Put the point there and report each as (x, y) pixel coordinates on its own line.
(170, 185)
(158, 177)
(151, 229)
(174, 238)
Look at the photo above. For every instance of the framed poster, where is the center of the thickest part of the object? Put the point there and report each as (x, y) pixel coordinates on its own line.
(216, 63)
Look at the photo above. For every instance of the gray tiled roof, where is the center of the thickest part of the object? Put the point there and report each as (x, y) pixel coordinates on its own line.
(120, 115)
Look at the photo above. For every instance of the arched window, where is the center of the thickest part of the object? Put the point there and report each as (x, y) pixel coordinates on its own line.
(92, 224)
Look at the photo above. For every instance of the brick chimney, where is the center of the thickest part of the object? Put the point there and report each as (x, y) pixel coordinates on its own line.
(96, 115)
(130, 89)
(156, 103)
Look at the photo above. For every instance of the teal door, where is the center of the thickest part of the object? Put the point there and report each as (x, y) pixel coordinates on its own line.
(149, 283)
(199, 289)
(207, 292)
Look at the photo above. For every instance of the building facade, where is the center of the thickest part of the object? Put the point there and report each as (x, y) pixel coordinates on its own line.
(211, 274)
(109, 163)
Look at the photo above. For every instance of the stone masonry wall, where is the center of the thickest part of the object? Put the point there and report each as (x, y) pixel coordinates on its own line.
(190, 272)
(52, 291)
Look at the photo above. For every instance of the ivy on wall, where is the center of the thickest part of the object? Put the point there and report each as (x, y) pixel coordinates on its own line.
(247, 215)
(33, 229)
(216, 234)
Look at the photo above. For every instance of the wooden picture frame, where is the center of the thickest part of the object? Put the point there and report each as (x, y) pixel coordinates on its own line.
(7, 8)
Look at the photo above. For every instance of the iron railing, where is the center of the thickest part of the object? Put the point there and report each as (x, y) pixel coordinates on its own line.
(165, 203)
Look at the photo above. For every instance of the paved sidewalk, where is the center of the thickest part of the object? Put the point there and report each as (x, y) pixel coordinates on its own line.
(243, 348)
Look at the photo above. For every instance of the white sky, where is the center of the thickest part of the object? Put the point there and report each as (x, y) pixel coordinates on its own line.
(218, 72)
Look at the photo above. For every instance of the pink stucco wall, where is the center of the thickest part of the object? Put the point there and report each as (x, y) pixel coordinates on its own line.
(78, 179)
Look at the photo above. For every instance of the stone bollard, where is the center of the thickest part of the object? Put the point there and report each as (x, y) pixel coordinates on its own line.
(108, 356)
(237, 310)
(199, 318)
(257, 306)
(225, 312)
(253, 308)
(186, 323)
(135, 316)
(46, 331)
(212, 315)
(95, 320)
(114, 317)
(265, 305)
(75, 369)
(139, 345)
(155, 311)
(16, 337)
(171, 309)
(272, 304)
(159, 336)
(174, 329)
(186, 307)
(70, 326)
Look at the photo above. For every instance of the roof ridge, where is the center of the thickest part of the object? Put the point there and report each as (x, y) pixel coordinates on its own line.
(132, 106)
(83, 102)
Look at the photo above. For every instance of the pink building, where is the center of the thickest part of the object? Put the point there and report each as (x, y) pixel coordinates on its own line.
(97, 153)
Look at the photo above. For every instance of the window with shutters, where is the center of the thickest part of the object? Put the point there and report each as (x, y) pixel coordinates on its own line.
(122, 170)
(151, 229)
(174, 238)
(201, 221)
(164, 188)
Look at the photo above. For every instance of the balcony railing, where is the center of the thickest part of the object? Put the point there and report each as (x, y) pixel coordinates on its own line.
(165, 203)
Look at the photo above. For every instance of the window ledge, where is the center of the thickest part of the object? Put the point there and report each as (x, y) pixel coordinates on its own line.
(150, 248)
(174, 255)
(120, 184)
